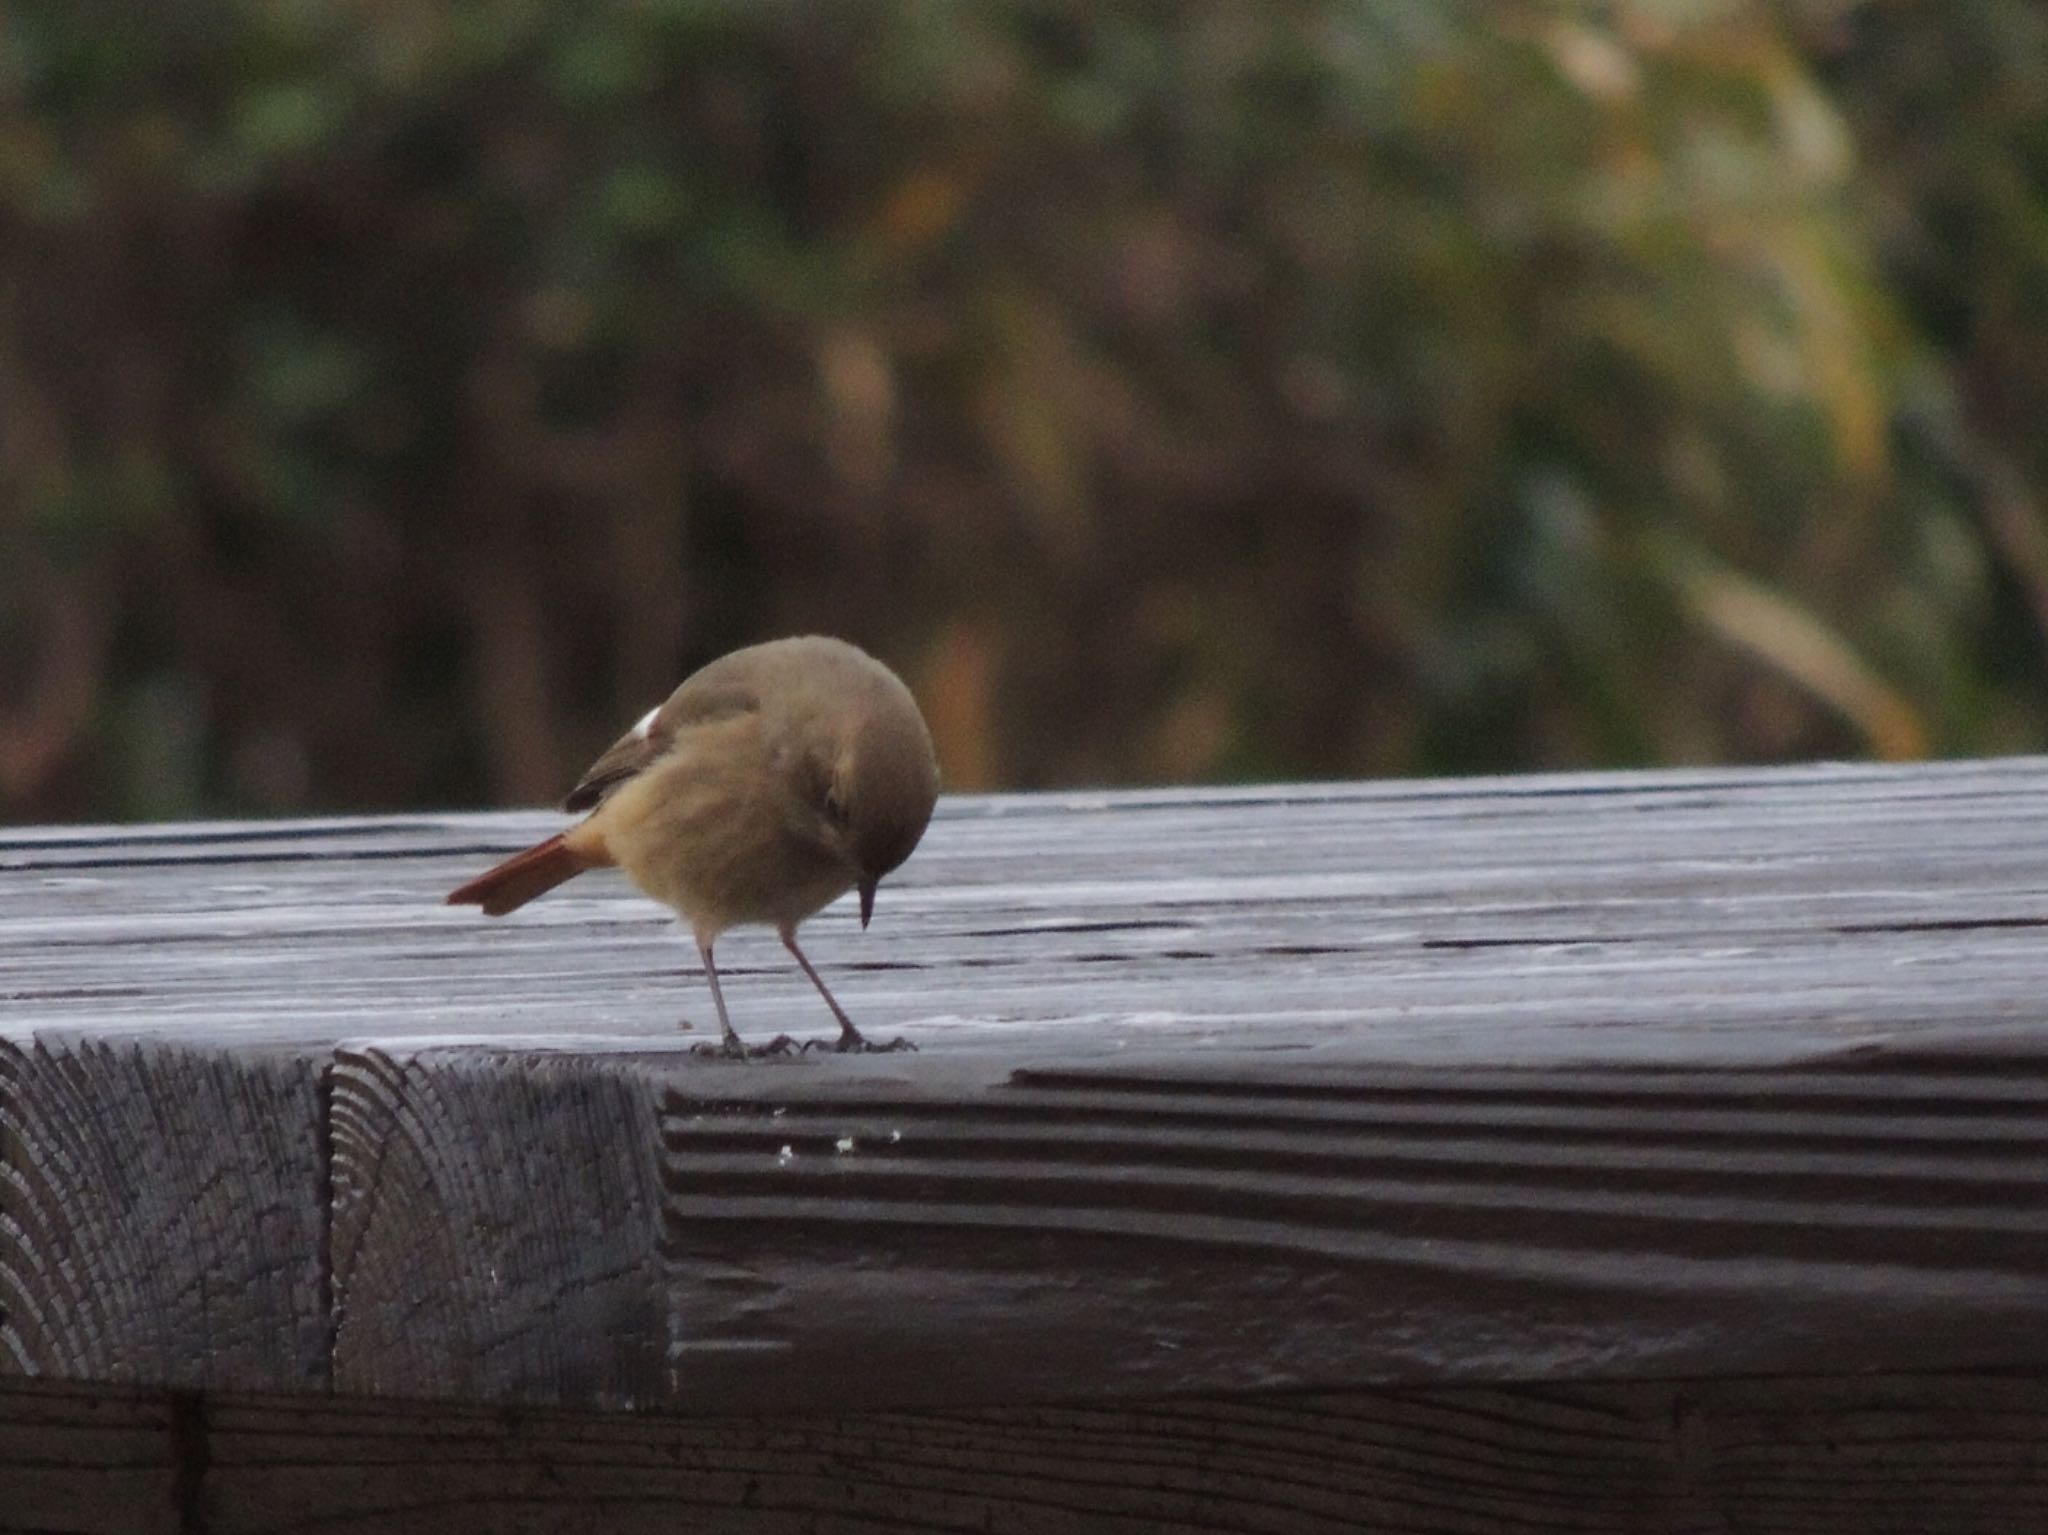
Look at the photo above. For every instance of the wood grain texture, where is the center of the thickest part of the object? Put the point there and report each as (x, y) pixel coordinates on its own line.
(1599, 1076)
(1661, 918)
(1873, 1456)
(97, 1461)
(1083, 1231)
(161, 1213)
(440, 1272)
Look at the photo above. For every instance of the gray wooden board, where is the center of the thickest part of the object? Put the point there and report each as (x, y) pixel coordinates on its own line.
(1909, 1455)
(1585, 1076)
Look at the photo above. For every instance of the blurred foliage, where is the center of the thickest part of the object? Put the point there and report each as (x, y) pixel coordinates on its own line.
(396, 399)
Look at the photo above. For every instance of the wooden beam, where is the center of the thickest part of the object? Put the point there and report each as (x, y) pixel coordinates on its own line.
(441, 1272)
(162, 1213)
(1615, 1076)
(1867, 1456)
(948, 1230)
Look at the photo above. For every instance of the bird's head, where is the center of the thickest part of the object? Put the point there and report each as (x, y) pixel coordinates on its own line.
(882, 787)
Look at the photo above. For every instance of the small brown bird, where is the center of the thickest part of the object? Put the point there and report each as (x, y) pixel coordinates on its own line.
(773, 781)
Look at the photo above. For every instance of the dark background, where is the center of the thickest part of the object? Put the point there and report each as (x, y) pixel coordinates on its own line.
(397, 399)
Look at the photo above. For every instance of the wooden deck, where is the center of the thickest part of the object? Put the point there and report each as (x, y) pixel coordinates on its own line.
(1551, 1085)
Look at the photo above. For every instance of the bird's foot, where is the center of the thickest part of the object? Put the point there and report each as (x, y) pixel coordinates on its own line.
(733, 1048)
(730, 1048)
(855, 1043)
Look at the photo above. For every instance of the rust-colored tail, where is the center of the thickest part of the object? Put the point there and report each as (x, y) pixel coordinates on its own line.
(522, 877)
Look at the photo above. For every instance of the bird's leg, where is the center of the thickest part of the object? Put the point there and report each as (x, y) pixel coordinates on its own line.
(730, 1044)
(850, 1038)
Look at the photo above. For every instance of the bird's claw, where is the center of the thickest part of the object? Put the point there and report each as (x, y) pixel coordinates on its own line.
(726, 1049)
(733, 1048)
(857, 1044)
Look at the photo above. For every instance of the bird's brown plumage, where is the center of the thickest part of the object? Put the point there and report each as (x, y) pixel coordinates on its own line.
(770, 783)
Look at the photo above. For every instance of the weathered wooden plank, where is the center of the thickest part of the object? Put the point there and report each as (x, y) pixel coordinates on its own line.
(442, 1274)
(1761, 920)
(162, 1214)
(1609, 1075)
(1869, 1456)
(97, 1460)
(891, 1231)
(1252, 1237)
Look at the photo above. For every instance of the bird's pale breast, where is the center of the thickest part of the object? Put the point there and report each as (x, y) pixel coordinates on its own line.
(707, 831)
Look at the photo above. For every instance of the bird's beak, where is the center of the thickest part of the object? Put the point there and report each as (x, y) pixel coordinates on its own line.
(867, 900)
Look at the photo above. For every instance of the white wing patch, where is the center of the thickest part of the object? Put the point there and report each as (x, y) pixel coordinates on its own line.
(645, 728)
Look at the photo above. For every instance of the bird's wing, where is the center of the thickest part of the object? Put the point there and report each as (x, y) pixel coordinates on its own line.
(694, 703)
